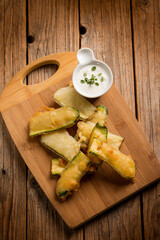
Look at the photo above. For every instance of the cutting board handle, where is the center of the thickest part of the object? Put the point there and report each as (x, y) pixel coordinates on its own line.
(16, 91)
(37, 64)
(57, 58)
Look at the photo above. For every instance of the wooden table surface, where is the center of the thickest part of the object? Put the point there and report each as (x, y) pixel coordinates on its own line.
(124, 34)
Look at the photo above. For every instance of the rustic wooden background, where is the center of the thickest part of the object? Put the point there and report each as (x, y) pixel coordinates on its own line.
(126, 35)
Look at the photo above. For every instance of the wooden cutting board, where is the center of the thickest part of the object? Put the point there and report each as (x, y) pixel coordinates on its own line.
(104, 189)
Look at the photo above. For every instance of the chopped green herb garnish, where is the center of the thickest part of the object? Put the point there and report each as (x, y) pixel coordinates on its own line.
(93, 79)
(93, 68)
(82, 81)
(92, 82)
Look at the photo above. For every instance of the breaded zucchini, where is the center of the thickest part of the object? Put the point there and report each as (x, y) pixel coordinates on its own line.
(121, 163)
(85, 128)
(99, 132)
(52, 119)
(68, 96)
(61, 143)
(100, 116)
(71, 176)
(58, 165)
(84, 131)
(114, 140)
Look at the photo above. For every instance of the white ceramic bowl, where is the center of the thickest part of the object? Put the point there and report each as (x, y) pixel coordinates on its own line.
(86, 57)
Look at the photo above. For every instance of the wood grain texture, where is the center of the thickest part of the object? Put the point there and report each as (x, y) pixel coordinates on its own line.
(54, 25)
(146, 28)
(108, 25)
(13, 169)
(109, 35)
(116, 223)
(81, 207)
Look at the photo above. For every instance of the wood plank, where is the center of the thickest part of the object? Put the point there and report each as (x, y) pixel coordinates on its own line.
(54, 25)
(146, 26)
(109, 35)
(13, 169)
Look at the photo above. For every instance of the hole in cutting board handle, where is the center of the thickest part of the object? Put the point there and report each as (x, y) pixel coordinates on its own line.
(40, 74)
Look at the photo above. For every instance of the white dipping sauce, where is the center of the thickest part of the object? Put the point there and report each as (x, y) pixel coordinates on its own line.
(88, 89)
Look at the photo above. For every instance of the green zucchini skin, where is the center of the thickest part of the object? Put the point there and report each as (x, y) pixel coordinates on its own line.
(71, 176)
(121, 163)
(63, 194)
(52, 128)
